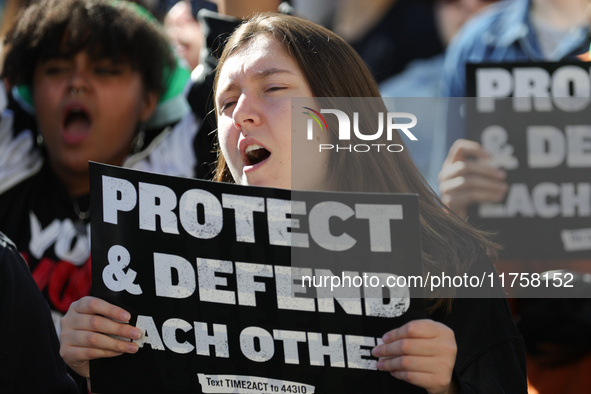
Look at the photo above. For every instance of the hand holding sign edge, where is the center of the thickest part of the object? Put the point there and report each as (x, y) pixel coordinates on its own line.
(85, 331)
(421, 352)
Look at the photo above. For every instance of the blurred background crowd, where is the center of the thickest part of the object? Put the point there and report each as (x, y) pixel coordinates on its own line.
(414, 48)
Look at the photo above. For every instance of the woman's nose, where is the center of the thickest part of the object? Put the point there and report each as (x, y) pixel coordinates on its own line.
(246, 113)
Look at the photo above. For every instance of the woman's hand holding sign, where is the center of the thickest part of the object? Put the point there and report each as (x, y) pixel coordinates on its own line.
(467, 178)
(83, 338)
(421, 352)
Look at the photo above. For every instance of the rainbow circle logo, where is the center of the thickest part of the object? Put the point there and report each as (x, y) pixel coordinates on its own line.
(315, 116)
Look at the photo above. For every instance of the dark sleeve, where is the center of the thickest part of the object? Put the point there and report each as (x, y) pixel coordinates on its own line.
(491, 353)
(499, 369)
(29, 347)
(495, 364)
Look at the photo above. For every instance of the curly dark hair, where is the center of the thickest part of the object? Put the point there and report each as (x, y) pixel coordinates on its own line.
(106, 29)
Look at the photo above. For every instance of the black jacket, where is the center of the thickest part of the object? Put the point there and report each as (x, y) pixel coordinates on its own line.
(29, 349)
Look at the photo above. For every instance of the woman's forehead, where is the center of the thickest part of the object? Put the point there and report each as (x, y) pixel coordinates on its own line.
(254, 59)
(261, 52)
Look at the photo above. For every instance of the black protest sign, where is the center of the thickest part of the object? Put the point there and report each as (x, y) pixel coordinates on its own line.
(205, 270)
(535, 121)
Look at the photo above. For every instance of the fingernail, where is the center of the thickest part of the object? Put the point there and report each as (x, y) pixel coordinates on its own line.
(380, 364)
(386, 337)
(501, 173)
(125, 316)
(132, 348)
(136, 333)
(376, 351)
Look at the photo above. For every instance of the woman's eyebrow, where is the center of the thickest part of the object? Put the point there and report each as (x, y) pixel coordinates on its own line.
(259, 74)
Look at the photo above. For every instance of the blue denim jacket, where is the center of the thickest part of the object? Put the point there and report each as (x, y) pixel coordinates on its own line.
(501, 33)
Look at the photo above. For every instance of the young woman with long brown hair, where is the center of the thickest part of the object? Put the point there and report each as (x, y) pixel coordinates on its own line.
(465, 344)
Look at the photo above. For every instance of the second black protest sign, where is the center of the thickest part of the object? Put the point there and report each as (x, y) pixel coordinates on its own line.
(534, 120)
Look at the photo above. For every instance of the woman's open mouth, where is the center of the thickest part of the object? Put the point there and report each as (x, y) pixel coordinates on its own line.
(255, 154)
(76, 125)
